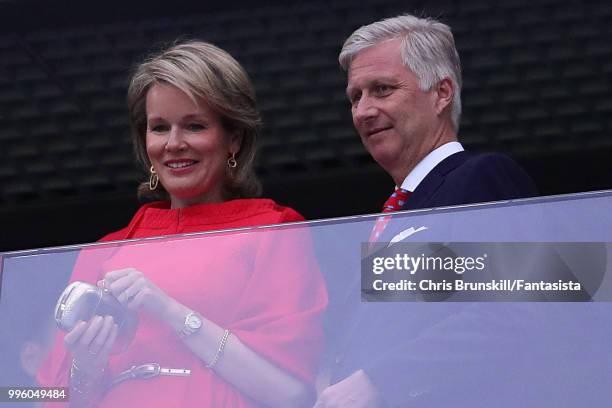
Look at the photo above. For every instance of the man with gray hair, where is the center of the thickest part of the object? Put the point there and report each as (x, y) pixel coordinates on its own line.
(404, 85)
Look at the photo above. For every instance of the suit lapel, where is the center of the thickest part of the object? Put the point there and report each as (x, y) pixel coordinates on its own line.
(422, 196)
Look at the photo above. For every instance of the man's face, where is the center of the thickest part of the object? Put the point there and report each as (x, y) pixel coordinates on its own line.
(397, 122)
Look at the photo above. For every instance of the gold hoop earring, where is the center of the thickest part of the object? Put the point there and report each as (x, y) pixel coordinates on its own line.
(153, 179)
(231, 162)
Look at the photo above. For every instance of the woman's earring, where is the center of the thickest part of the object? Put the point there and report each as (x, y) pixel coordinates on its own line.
(153, 179)
(231, 162)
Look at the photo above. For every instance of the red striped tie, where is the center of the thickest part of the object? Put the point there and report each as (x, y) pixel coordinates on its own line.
(394, 203)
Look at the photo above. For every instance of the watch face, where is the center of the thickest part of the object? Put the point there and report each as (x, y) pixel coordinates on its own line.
(194, 322)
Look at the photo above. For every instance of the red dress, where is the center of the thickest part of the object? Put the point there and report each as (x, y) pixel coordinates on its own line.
(263, 285)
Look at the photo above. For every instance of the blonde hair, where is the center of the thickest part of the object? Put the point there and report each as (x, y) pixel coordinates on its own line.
(206, 73)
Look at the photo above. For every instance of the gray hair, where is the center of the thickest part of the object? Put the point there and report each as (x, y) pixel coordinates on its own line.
(427, 47)
(205, 73)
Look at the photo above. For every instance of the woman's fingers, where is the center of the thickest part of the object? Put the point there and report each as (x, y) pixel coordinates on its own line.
(134, 291)
(75, 334)
(130, 291)
(110, 340)
(92, 349)
(94, 326)
(112, 276)
(124, 284)
(100, 339)
(121, 285)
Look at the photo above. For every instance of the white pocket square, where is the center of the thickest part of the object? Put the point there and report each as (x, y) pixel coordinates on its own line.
(405, 234)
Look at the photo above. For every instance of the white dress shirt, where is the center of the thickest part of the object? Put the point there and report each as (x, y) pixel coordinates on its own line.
(421, 170)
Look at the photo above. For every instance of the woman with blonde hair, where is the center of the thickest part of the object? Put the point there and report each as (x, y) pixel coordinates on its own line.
(238, 319)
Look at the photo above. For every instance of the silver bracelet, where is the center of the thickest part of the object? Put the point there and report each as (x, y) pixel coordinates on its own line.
(79, 381)
(222, 344)
(76, 371)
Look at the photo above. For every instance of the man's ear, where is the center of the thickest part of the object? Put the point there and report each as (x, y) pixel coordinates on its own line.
(444, 94)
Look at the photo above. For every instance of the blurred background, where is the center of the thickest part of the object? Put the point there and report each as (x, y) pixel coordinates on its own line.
(537, 83)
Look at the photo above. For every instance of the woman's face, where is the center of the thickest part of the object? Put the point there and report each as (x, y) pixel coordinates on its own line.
(187, 146)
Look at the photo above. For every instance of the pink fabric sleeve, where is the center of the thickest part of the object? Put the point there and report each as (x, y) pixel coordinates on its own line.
(280, 315)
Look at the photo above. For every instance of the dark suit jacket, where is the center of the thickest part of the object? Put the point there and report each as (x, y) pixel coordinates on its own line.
(406, 347)
(482, 354)
(465, 178)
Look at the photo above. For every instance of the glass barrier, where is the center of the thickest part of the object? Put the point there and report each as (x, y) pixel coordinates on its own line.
(498, 304)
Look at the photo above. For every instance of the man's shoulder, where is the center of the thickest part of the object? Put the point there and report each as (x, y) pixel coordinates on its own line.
(494, 176)
(465, 162)
(479, 165)
(469, 161)
(465, 178)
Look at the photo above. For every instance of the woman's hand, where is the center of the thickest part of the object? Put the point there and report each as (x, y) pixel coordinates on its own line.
(133, 290)
(91, 343)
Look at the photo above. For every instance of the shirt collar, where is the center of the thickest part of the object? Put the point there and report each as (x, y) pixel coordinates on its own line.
(422, 169)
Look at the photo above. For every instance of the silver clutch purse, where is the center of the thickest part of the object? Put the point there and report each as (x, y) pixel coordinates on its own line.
(81, 301)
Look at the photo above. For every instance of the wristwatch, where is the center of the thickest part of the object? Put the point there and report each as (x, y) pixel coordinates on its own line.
(192, 323)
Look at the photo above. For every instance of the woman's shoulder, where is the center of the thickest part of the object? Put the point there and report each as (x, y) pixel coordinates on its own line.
(124, 233)
(114, 236)
(266, 210)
